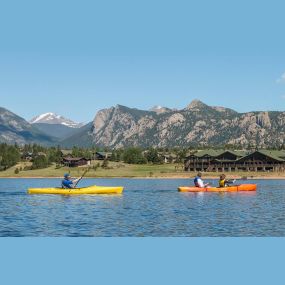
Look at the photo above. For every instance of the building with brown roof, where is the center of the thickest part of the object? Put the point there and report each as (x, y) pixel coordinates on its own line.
(75, 161)
(221, 161)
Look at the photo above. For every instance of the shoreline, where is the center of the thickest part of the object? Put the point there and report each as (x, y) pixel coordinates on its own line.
(148, 178)
(131, 171)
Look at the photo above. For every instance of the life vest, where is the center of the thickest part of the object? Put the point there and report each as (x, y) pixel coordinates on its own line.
(196, 181)
(222, 183)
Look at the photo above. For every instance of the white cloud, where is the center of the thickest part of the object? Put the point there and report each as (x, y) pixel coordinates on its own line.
(281, 78)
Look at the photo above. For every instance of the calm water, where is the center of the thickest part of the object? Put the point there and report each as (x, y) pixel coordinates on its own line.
(147, 208)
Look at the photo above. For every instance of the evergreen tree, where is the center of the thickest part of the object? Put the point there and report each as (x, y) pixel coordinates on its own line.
(40, 162)
(9, 156)
(152, 156)
(134, 155)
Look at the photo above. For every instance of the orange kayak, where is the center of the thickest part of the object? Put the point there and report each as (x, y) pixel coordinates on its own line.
(234, 188)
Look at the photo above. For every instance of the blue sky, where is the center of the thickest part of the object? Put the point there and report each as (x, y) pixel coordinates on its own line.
(76, 57)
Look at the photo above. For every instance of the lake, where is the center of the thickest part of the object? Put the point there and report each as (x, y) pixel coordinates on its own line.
(148, 208)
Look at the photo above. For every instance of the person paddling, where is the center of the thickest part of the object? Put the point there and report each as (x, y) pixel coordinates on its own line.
(199, 182)
(224, 182)
(68, 182)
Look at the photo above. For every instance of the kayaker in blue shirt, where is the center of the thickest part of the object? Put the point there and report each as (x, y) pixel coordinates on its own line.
(199, 182)
(69, 183)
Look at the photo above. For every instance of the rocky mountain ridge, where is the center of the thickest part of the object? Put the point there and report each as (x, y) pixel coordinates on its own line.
(196, 125)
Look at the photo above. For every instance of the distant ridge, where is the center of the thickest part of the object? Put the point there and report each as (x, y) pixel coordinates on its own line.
(81, 137)
(197, 124)
(14, 129)
(55, 125)
(56, 130)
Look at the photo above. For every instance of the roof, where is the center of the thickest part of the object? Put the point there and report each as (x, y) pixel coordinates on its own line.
(269, 153)
(103, 153)
(74, 158)
(237, 153)
(208, 152)
(275, 154)
(240, 153)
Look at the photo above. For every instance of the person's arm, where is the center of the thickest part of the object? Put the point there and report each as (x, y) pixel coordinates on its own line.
(74, 181)
(205, 184)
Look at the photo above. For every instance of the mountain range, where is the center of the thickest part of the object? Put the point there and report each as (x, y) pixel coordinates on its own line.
(14, 129)
(119, 126)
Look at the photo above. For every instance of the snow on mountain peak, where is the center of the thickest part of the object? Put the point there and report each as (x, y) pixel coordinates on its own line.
(54, 119)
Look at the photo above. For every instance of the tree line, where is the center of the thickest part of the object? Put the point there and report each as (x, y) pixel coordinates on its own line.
(9, 156)
(43, 157)
(39, 156)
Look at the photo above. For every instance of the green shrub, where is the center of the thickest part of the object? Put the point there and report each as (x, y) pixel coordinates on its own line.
(153, 157)
(134, 156)
(40, 162)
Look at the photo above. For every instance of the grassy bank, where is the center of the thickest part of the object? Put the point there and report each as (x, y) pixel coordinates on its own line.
(129, 171)
(114, 170)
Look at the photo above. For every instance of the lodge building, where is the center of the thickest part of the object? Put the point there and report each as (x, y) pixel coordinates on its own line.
(228, 161)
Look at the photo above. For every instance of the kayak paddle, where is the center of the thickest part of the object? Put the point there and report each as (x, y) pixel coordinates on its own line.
(85, 172)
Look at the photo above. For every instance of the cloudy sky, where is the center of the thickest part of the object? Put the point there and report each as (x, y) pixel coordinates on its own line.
(76, 59)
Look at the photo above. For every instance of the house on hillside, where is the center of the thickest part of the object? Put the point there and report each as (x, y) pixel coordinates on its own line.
(100, 155)
(75, 161)
(167, 157)
(28, 156)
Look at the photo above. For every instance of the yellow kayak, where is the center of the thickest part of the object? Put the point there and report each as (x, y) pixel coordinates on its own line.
(78, 191)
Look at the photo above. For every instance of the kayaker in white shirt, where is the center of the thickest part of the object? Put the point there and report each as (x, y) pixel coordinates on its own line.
(199, 182)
